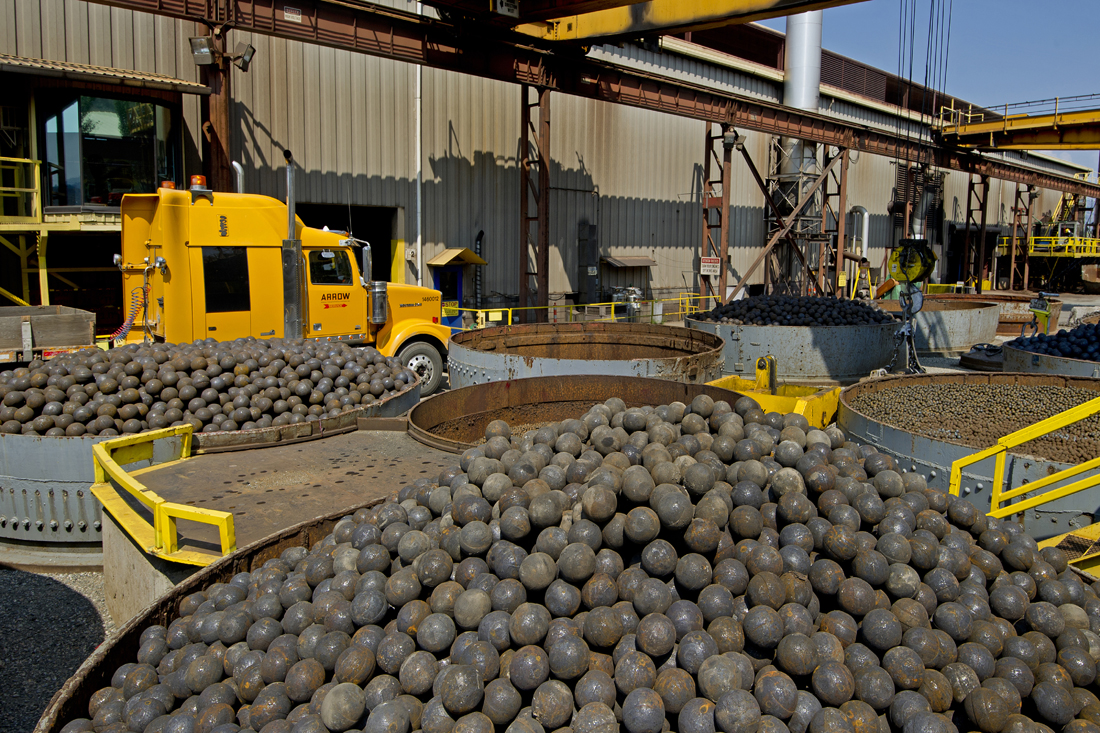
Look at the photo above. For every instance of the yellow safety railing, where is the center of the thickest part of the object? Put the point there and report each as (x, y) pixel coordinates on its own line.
(999, 506)
(21, 201)
(157, 448)
(1054, 246)
(610, 312)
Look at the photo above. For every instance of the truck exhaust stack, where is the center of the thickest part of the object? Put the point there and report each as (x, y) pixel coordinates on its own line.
(294, 302)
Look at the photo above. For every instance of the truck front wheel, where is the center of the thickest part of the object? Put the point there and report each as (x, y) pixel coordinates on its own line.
(426, 362)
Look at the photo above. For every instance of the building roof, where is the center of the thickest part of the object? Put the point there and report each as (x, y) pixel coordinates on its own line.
(103, 74)
(629, 261)
(453, 255)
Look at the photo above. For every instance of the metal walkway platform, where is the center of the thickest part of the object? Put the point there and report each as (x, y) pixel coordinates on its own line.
(270, 489)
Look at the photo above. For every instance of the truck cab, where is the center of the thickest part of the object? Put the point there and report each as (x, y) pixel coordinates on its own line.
(202, 264)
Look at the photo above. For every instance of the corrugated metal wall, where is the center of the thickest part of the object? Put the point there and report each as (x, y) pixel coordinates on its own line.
(350, 121)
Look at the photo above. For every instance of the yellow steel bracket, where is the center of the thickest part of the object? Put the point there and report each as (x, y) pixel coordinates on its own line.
(999, 497)
(112, 460)
(818, 405)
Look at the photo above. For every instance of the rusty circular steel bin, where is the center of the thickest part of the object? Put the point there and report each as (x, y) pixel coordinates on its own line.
(932, 457)
(456, 420)
(805, 354)
(950, 326)
(561, 349)
(1018, 360)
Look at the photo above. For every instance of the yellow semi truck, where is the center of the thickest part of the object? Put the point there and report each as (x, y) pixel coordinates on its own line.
(203, 264)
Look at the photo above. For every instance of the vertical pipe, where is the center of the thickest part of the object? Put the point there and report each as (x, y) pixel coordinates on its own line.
(544, 204)
(524, 196)
(291, 216)
(801, 90)
(419, 153)
(801, 84)
(238, 170)
(294, 301)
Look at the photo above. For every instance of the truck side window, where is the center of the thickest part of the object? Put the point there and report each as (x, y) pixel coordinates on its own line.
(329, 267)
(225, 272)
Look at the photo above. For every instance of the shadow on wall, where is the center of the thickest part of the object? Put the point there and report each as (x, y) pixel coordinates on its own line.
(48, 630)
(467, 193)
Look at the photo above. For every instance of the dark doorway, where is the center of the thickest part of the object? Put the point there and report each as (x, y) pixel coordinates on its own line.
(373, 224)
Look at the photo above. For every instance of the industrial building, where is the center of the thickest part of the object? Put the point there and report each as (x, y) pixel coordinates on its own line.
(111, 101)
(515, 366)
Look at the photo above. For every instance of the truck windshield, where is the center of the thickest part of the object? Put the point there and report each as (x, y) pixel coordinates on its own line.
(329, 267)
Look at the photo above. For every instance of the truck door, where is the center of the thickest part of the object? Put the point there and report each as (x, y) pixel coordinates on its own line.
(337, 302)
(228, 299)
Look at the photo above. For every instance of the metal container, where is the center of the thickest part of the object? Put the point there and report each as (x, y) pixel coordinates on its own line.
(71, 701)
(392, 406)
(44, 482)
(456, 420)
(44, 489)
(626, 302)
(1018, 360)
(1015, 308)
(806, 354)
(619, 349)
(932, 458)
(950, 326)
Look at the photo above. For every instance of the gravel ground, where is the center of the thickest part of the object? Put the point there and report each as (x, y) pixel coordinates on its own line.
(49, 624)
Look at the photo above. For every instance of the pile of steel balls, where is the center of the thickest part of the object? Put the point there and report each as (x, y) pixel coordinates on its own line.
(693, 569)
(789, 310)
(215, 386)
(978, 415)
(1082, 342)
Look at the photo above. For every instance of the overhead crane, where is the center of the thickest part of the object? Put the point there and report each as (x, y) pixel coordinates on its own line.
(592, 20)
(1060, 123)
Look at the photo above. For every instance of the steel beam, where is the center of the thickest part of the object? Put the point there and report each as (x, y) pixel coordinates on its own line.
(402, 36)
(666, 16)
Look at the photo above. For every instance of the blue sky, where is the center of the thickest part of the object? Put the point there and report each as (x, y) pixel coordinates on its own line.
(1001, 50)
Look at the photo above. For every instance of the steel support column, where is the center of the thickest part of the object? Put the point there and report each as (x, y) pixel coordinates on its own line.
(1018, 270)
(716, 209)
(839, 192)
(216, 128)
(43, 273)
(534, 197)
(976, 203)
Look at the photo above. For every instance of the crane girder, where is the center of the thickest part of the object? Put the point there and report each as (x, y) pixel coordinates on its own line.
(1078, 130)
(666, 16)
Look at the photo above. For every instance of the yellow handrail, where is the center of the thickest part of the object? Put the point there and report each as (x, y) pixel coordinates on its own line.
(1054, 246)
(999, 497)
(686, 304)
(160, 538)
(17, 166)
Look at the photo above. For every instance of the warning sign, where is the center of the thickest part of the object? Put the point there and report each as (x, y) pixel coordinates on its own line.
(710, 266)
